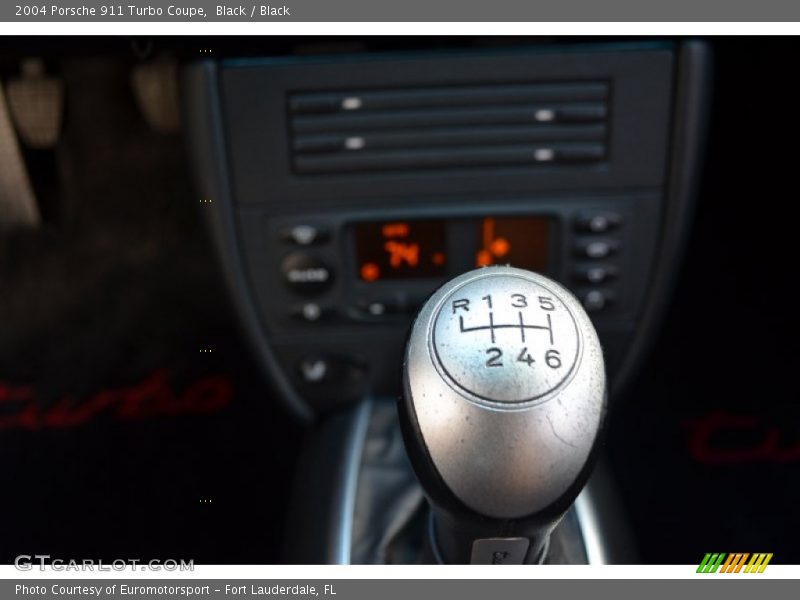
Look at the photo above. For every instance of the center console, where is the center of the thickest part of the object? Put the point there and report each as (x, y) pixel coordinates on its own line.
(345, 189)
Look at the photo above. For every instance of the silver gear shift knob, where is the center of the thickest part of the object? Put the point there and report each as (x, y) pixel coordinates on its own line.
(505, 393)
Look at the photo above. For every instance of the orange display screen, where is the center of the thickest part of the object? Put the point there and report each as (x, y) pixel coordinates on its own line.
(391, 250)
(400, 249)
(517, 241)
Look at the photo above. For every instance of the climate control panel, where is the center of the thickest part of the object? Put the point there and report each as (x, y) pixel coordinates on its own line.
(347, 190)
(338, 290)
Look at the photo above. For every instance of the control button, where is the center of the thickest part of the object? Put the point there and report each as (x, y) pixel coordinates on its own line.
(597, 222)
(377, 308)
(596, 300)
(597, 248)
(305, 273)
(305, 235)
(596, 273)
(315, 369)
(312, 312)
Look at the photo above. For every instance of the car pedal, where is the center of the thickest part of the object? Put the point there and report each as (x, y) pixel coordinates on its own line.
(18, 205)
(36, 102)
(155, 86)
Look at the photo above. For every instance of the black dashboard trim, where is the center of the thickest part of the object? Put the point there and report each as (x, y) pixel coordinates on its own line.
(209, 159)
(693, 75)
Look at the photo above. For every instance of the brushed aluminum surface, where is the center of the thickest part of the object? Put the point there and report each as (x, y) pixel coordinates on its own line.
(507, 382)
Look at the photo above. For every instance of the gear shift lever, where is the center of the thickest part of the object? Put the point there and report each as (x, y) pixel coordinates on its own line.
(505, 393)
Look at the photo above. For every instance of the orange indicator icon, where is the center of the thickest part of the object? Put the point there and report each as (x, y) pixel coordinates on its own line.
(370, 271)
(395, 230)
(400, 252)
(492, 247)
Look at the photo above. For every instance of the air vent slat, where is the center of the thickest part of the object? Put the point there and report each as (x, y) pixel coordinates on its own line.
(495, 115)
(446, 97)
(520, 125)
(449, 158)
(464, 136)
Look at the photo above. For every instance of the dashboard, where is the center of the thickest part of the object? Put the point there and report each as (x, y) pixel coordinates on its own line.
(347, 188)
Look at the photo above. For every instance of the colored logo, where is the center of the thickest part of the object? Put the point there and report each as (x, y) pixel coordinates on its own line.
(734, 563)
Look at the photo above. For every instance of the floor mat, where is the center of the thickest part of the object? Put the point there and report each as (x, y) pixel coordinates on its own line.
(706, 447)
(133, 422)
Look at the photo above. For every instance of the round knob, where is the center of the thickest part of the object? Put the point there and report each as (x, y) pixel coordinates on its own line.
(505, 392)
(505, 339)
